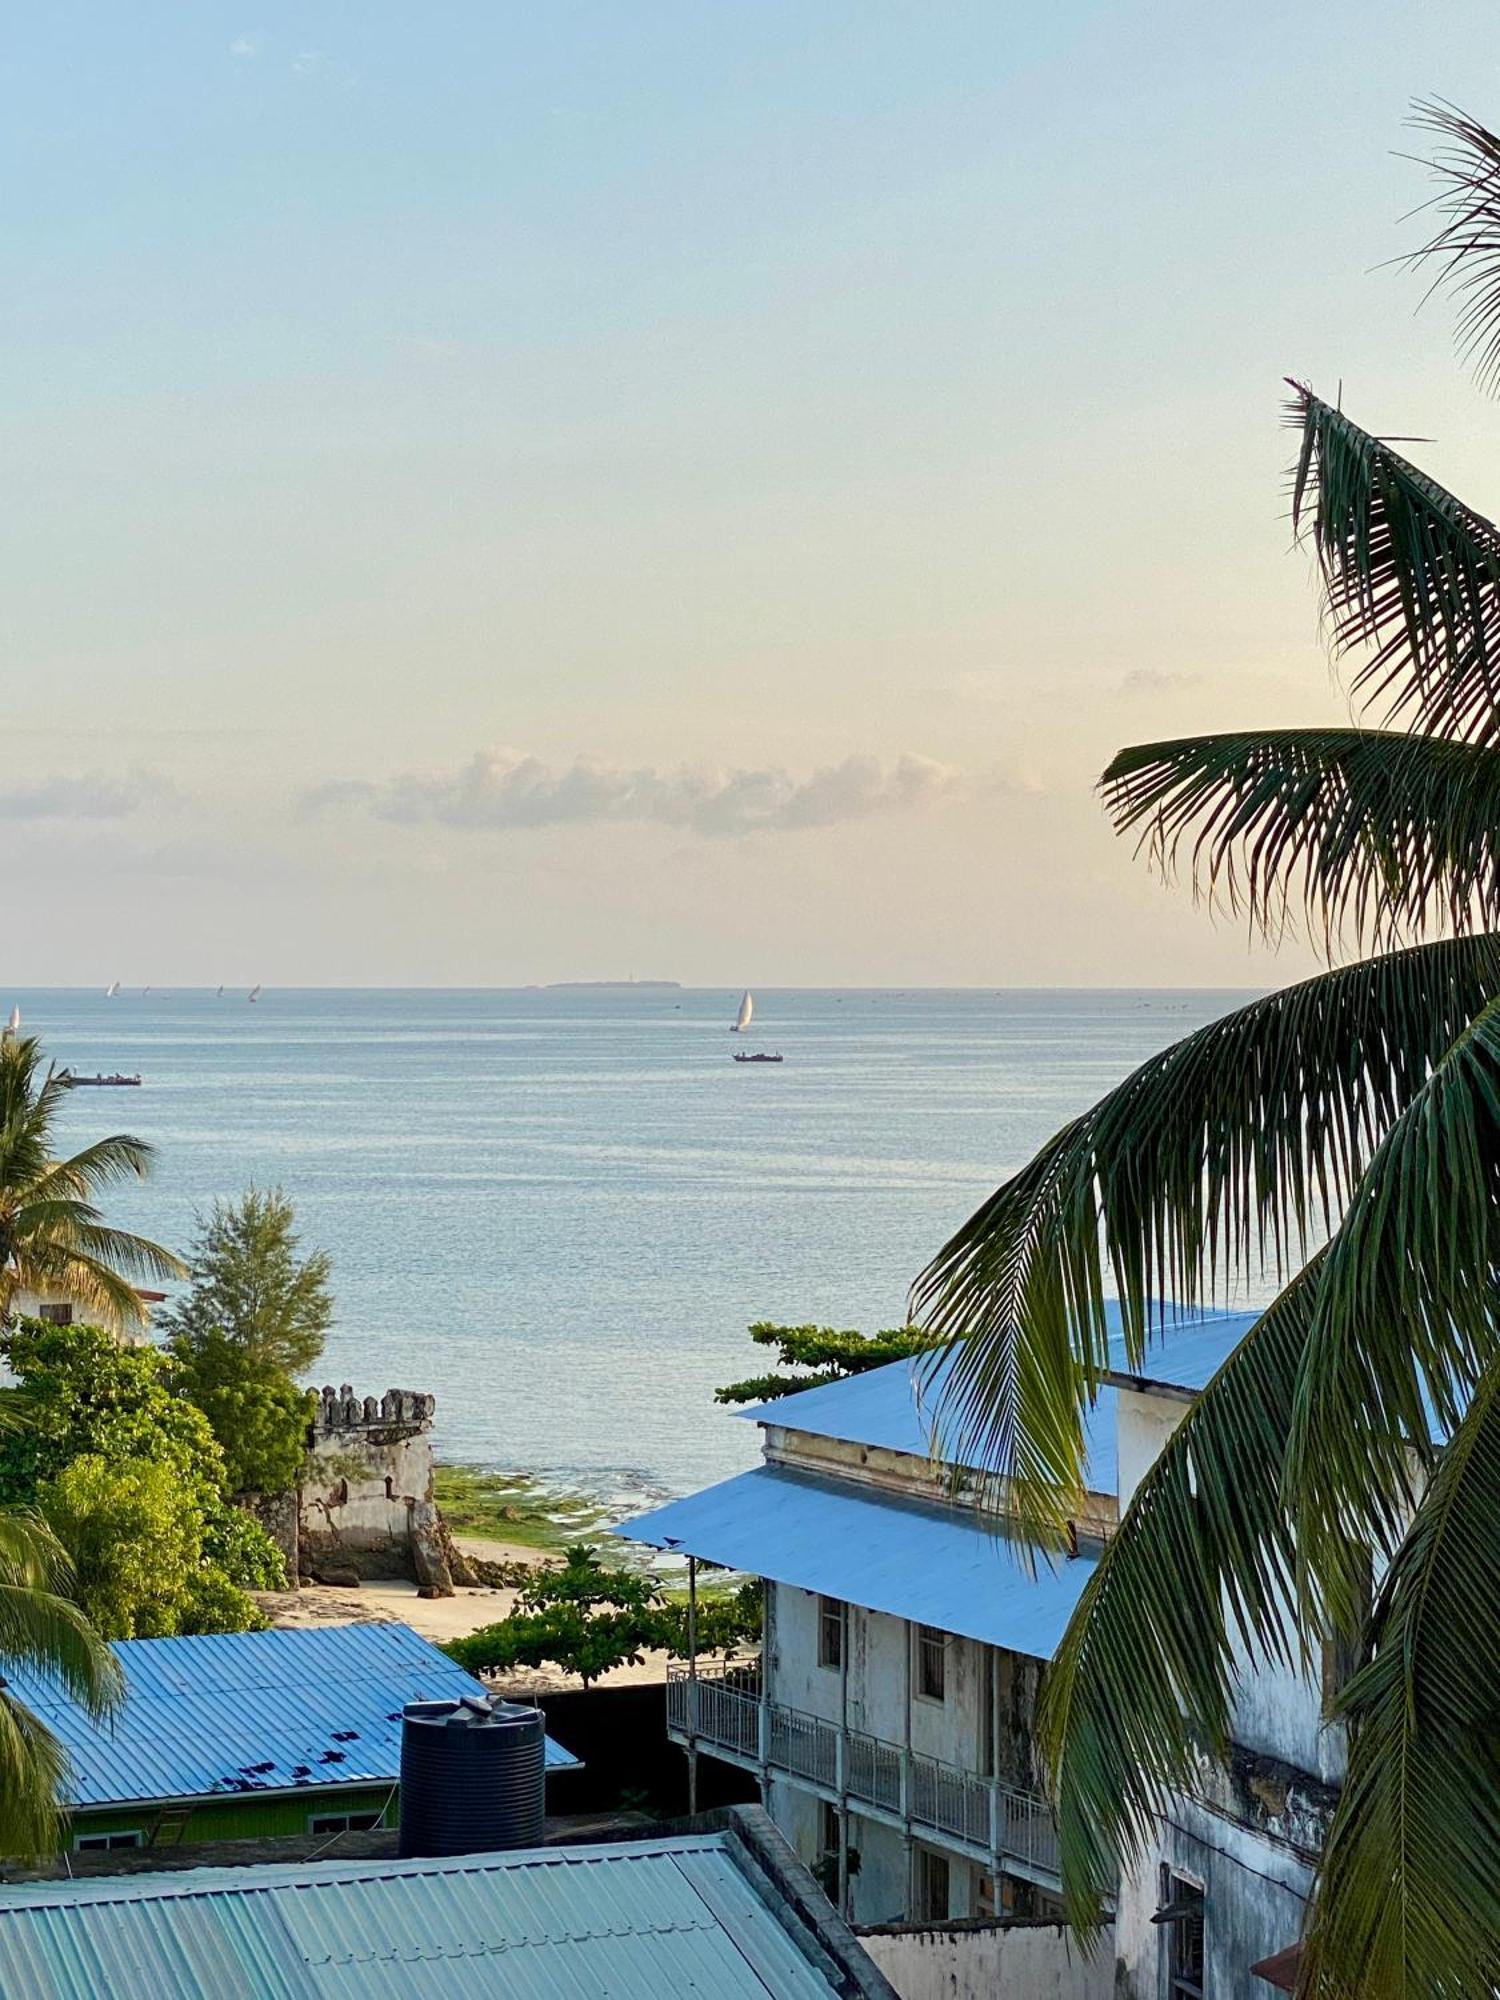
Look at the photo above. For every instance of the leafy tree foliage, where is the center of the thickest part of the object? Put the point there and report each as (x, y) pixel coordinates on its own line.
(587, 1620)
(253, 1320)
(819, 1354)
(129, 1474)
(53, 1238)
(252, 1287)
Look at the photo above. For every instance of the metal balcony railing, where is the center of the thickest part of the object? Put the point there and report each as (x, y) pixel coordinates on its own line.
(985, 1813)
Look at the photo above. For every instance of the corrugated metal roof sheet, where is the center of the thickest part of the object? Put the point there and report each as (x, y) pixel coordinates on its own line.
(244, 1712)
(644, 1920)
(936, 1565)
(1186, 1353)
(900, 1408)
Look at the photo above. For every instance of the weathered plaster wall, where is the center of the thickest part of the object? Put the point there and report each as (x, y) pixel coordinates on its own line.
(366, 1496)
(991, 1961)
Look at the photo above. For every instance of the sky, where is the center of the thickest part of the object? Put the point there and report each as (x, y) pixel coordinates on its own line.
(503, 493)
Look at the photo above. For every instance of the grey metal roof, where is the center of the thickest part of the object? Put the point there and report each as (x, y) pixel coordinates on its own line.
(643, 1920)
(900, 1408)
(299, 1708)
(936, 1565)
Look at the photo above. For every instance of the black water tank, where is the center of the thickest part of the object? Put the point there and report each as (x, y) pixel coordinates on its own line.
(472, 1776)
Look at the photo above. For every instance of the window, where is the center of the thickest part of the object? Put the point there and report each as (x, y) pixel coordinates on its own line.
(56, 1315)
(830, 1632)
(932, 1886)
(350, 1822)
(932, 1663)
(828, 1832)
(1181, 1918)
(106, 1843)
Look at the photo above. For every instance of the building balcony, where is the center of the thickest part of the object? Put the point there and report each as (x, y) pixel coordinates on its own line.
(723, 1711)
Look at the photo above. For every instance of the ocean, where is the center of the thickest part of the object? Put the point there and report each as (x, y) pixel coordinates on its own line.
(558, 1209)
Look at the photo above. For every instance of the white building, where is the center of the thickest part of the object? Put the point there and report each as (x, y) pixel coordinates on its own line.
(890, 1719)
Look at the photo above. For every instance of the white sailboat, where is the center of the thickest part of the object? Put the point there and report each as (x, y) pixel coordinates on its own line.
(13, 1025)
(746, 1014)
(254, 993)
(112, 991)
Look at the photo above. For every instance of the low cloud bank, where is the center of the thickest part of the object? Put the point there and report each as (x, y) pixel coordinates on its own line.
(503, 790)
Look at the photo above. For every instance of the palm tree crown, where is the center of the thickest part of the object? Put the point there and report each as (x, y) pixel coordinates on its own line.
(1343, 1135)
(52, 1237)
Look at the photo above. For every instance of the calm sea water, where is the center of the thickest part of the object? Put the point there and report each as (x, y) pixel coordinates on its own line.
(557, 1210)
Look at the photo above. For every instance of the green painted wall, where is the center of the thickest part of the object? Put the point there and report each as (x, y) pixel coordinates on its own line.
(247, 1818)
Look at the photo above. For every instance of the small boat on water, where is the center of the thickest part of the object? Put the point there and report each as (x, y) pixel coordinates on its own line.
(746, 1015)
(119, 1081)
(254, 993)
(112, 991)
(13, 1025)
(759, 1056)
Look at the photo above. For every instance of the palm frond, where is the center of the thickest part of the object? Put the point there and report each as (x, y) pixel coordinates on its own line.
(1201, 1564)
(1409, 1898)
(1368, 831)
(33, 1781)
(1408, 570)
(121, 1157)
(1466, 248)
(1406, 1323)
(1233, 1147)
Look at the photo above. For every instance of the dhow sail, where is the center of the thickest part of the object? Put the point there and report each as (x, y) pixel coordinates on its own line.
(746, 1014)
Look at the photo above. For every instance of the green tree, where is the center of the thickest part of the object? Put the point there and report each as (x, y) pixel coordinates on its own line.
(253, 1319)
(820, 1354)
(257, 1413)
(134, 1544)
(53, 1238)
(44, 1630)
(587, 1619)
(1344, 1136)
(251, 1285)
(96, 1415)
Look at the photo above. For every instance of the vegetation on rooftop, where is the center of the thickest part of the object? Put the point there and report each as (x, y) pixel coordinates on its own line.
(815, 1355)
(1361, 1107)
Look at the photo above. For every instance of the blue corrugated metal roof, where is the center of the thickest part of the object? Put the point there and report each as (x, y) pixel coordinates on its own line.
(644, 1920)
(900, 1408)
(1186, 1351)
(936, 1565)
(246, 1712)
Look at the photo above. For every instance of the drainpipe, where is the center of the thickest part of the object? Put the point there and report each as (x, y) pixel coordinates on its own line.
(841, 1772)
(995, 1829)
(763, 1719)
(908, 1848)
(692, 1639)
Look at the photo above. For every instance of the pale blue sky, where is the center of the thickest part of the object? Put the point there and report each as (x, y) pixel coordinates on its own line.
(506, 493)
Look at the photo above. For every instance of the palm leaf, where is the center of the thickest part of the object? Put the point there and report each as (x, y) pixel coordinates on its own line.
(1232, 1148)
(1409, 1899)
(1466, 248)
(1406, 1322)
(1197, 1576)
(1408, 571)
(1364, 830)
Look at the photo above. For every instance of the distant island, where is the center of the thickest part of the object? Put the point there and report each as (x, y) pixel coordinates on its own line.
(615, 985)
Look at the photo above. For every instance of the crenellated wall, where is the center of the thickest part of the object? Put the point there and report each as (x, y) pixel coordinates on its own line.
(366, 1500)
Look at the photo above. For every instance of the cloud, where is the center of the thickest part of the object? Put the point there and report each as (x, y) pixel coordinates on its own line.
(245, 48)
(502, 790)
(88, 796)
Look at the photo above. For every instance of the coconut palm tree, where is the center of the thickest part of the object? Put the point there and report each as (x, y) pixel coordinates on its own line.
(43, 1630)
(1344, 1136)
(52, 1237)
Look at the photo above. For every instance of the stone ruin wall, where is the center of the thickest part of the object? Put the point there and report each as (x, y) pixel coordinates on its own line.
(366, 1505)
